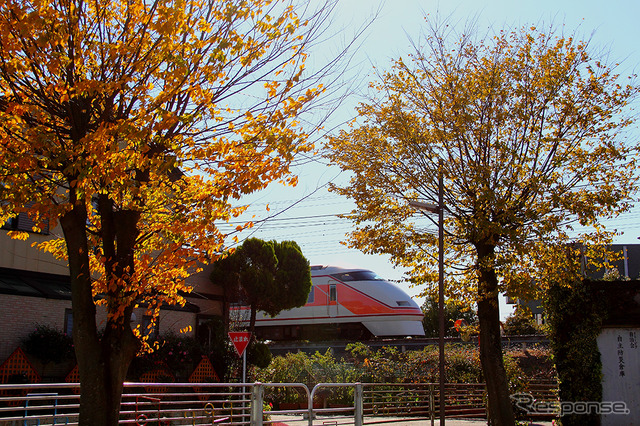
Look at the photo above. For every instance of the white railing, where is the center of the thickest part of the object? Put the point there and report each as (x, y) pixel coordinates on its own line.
(245, 403)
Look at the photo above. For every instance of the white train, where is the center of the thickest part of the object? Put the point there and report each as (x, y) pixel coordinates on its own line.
(346, 304)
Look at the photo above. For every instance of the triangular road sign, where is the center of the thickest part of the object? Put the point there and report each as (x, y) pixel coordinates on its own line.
(240, 340)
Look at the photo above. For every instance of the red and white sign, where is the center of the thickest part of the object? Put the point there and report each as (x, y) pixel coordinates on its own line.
(240, 340)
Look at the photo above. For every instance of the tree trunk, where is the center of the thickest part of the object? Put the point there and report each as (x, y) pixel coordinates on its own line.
(500, 408)
(252, 320)
(102, 364)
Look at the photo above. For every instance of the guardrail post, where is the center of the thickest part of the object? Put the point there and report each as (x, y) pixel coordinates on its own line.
(257, 396)
(431, 405)
(358, 408)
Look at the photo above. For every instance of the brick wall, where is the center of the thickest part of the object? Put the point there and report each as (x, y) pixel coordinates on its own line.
(19, 316)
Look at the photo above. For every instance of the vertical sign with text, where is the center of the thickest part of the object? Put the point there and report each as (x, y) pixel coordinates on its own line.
(620, 357)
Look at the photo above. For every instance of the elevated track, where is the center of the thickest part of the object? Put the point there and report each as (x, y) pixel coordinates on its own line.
(339, 346)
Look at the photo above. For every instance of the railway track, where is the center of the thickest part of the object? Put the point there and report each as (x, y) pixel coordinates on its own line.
(339, 346)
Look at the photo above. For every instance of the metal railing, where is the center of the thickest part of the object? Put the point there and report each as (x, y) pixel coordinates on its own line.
(254, 404)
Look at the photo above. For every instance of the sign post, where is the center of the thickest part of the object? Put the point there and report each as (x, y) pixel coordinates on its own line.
(240, 340)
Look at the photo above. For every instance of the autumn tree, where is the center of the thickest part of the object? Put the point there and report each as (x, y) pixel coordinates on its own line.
(136, 126)
(267, 276)
(525, 127)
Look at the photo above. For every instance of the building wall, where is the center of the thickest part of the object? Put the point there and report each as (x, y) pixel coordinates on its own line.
(19, 315)
(19, 254)
(201, 284)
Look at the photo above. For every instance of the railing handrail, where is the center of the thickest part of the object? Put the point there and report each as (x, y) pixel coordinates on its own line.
(215, 402)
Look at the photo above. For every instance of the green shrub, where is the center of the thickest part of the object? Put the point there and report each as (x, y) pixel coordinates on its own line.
(536, 362)
(284, 369)
(48, 344)
(386, 365)
(520, 323)
(462, 364)
(259, 354)
(310, 370)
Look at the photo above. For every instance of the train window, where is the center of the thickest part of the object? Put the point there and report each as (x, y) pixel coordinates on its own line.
(333, 293)
(311, 297)
(358, 276)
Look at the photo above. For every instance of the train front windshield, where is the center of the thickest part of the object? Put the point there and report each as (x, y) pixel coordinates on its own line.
(357, 276)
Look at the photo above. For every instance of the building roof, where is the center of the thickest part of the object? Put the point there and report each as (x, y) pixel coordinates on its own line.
(51, 286)
(35, 284)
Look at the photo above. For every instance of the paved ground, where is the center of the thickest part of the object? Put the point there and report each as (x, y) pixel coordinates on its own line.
(456, 422)
(297, 421)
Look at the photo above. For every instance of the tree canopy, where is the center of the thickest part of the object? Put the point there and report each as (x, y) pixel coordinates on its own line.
(452, 313)
(520, 323)
(134, 108)
(526, 129)
(137, 125)
(267, 276)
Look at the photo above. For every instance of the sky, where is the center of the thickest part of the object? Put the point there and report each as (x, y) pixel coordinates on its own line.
(307, 212)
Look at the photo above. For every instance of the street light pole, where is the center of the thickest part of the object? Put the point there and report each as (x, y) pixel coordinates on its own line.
(441, 291)
(440, 210)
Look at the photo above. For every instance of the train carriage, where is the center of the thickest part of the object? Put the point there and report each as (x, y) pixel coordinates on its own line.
(346, 303)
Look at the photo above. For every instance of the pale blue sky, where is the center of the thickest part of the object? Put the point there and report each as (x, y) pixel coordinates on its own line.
(612, 25)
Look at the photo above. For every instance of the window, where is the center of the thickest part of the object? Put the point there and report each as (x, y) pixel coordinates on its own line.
(357, 276)
(23, 222)
(207, 328)
(15, 285)
(146, 331)
(311, 297)
(11, 224)
(52, 286)
(333, 293)
(68, 322)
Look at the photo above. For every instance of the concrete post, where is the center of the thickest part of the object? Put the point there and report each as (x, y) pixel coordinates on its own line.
(257, 396)
(358, 408)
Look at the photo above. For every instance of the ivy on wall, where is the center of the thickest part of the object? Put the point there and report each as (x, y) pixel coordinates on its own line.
(576, 316)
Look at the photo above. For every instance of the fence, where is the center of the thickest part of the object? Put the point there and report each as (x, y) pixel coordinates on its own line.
(252, 404)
